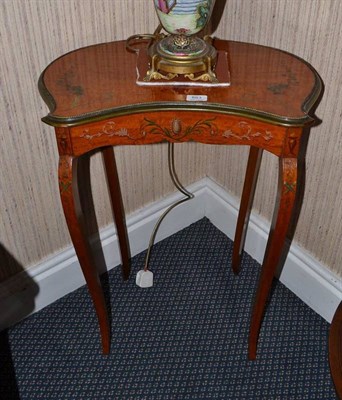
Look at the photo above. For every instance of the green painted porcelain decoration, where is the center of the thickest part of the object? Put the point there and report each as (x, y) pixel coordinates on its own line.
(186, 17)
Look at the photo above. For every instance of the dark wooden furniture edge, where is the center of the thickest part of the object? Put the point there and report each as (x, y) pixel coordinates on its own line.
(58, 121)
(335, 350)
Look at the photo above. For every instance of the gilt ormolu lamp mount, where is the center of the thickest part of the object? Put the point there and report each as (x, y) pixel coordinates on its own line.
(181, 53)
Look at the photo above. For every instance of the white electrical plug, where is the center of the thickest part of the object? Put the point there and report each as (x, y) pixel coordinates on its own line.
(144, 279)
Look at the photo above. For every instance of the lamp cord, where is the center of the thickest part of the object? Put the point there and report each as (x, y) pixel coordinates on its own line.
(143, 36)
(180, 187)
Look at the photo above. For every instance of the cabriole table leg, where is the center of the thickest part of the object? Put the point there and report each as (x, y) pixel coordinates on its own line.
(74, 217)
(251, 178)
(117, 207)
(287, 188)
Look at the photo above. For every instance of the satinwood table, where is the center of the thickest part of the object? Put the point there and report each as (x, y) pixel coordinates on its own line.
(95, 103)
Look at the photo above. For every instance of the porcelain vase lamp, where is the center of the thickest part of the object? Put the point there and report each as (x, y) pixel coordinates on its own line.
(182, 52)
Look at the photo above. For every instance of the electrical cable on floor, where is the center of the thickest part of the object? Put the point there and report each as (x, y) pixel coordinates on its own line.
(145, 276)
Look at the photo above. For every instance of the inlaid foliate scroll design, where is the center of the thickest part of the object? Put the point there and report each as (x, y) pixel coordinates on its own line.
(64, 186)
(64, 178)
(290, 178)
(292, 142)
(290, 186)
(246, 132)
(176, 131)
(110, 129)
(63, 140)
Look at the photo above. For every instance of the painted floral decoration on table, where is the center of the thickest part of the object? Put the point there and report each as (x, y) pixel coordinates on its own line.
(184, 16)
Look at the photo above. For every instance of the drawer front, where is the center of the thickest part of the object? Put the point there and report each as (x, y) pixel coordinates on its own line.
(174, 126)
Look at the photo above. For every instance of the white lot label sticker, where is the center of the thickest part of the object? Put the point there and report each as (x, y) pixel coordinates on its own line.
(194, 97)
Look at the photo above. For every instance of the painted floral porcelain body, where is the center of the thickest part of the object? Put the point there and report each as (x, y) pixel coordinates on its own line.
(185, 17)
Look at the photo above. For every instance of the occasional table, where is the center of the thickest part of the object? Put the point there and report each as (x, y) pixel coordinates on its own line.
(95, 103)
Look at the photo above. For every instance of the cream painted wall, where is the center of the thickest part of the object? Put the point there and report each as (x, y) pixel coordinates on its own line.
(35, 32)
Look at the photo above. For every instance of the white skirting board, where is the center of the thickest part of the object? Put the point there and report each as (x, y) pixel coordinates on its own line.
(59, 275)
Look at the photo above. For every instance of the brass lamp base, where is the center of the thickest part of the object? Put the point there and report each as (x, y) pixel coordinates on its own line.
(175, 55)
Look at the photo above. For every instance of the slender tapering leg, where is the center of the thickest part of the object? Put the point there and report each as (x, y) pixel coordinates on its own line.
(117, 207)
(286, 195)
(252, 171)
(73, 213)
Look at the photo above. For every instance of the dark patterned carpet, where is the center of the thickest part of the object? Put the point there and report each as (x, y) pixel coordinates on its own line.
(185, 338)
